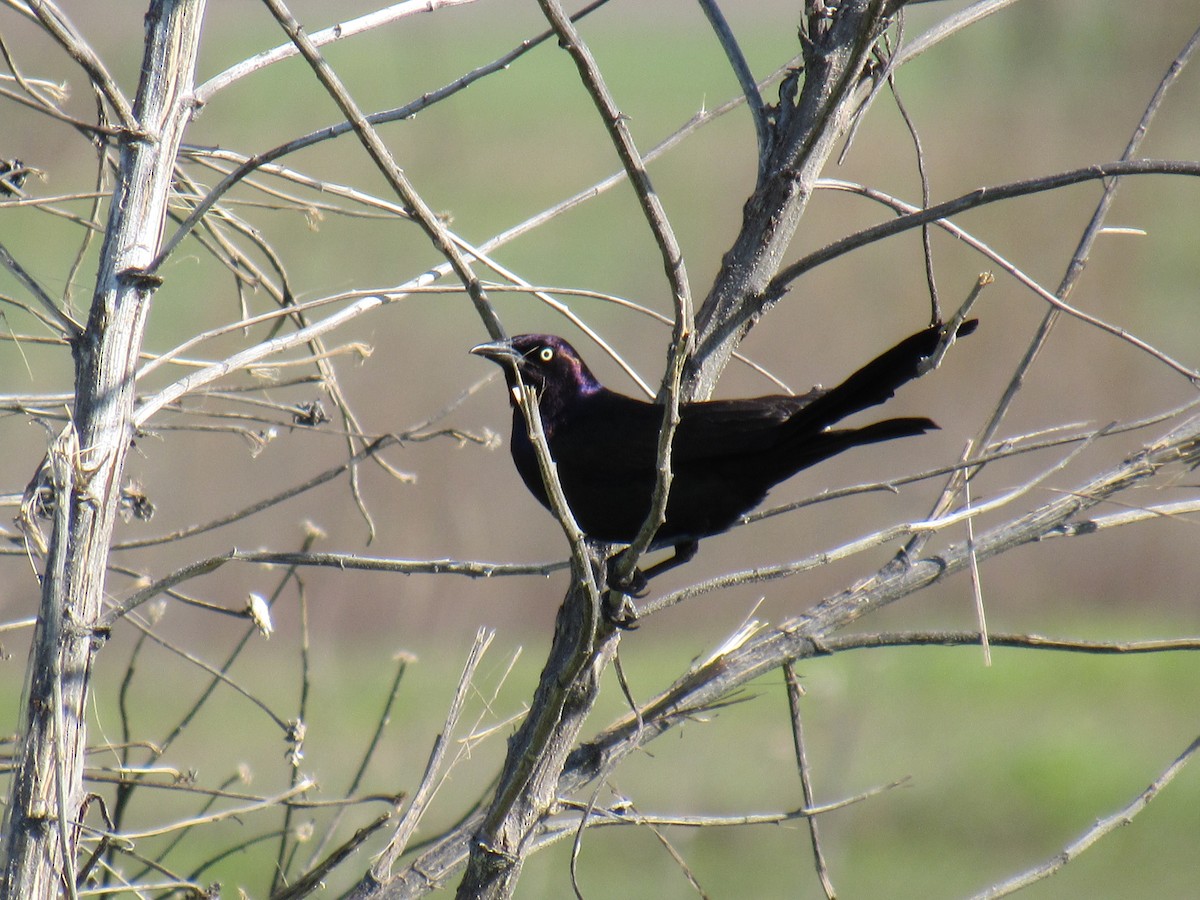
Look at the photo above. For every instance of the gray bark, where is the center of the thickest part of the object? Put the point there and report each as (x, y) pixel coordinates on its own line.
(802, 132)
(84, 470)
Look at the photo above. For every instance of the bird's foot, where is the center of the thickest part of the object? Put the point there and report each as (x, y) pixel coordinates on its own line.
(636, 585)
(619, 610)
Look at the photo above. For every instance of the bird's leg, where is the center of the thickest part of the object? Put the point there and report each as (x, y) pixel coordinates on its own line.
(638, 584)
(683, 553)
(619, 610)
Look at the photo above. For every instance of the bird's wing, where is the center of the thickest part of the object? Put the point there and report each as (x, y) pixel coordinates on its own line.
(719, 429)
(616, 434)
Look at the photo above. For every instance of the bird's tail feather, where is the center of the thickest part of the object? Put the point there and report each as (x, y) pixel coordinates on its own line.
(831, 443)
(871, 385)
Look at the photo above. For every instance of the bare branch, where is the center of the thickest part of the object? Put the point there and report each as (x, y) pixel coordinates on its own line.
(472, 569)
(56, 23)
(248, 355)
(37, 858)
(982, 197)
(813, 634)
(381, 869)
(70, 328)
(673, 263)
(387, 165)
(1102, 828)
(794, 694)
(338, 32)
(804, 132)
(741, 69)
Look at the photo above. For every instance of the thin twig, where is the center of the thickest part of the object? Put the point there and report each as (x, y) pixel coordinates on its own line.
(907, 529)
(69, 327)
(250, 164)
(342, 30)
(741, 69)
(382, 866)
(302, 787)
(1029, 641)
(469, 568)
(388, 167)
(296, 734)
(1007, 448)
(261, 505)
(1087, 240)
(1101, 829)
(794, 693)
(672, 256)
(982, 197)
(385, 716)
(313, 879)
(60, 27)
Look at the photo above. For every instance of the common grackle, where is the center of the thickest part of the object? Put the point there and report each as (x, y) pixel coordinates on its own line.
(726, 455)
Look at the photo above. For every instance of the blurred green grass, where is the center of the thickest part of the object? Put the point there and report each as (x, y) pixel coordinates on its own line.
(1002, 766)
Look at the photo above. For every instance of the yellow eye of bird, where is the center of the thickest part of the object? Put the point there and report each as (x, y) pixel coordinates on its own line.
(546, 354)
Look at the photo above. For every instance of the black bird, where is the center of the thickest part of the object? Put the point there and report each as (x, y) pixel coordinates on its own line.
(726, 455)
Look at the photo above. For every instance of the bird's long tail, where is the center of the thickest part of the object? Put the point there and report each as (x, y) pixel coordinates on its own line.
(829, 443)
(871, 385)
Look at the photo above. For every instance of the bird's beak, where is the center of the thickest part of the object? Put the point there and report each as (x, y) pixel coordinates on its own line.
(498, 352)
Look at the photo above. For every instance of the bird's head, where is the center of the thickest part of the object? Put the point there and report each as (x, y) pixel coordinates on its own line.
(547, 363)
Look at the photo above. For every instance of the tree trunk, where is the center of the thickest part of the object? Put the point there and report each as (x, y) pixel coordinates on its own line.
(84, 470)
(802, 133)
